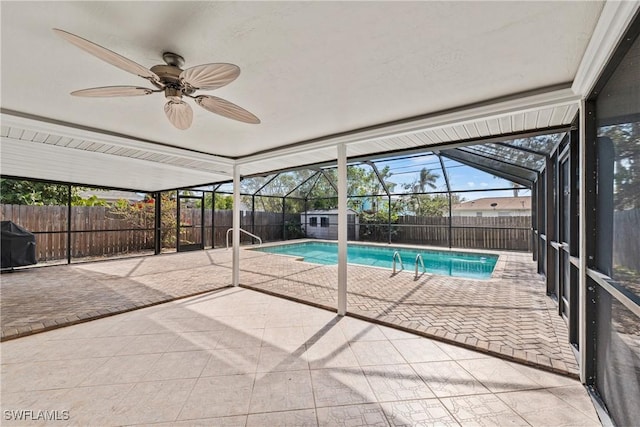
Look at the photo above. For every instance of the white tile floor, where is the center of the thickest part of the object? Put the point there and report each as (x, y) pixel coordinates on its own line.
(238, 357)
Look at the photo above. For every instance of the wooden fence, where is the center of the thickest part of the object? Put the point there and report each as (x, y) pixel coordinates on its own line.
(97, 232)
(504, 233)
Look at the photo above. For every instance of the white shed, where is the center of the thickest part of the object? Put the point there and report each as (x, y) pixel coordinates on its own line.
(323, 224)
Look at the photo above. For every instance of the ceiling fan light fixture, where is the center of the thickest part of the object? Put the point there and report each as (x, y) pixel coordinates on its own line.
(179, 114)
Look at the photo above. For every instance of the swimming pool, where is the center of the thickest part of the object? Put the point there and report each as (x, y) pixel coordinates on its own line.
(447, 263)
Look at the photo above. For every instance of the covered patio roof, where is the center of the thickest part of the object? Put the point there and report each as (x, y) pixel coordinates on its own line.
(378, 77)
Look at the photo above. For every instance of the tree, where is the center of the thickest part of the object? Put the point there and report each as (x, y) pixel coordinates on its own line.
(626, 141)
(25, 192)
(425, 204)
(142, 215)
(223, 202)
(426, 179)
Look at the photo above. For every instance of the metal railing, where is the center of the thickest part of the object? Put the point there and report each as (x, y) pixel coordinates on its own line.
(396, 255)
(419, 258)
(245, 232)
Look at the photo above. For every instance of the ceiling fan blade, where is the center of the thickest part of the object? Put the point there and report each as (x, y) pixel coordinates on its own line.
(226, 109)
(179, 114)
(210, 76)
(108, 91)
(108, 55)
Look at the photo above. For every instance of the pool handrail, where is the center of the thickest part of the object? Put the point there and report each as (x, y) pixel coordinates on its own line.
(419, 258)
(396, 254)
(247, 233)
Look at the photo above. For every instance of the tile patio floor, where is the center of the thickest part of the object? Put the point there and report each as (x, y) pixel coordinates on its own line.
(508, 315)
(240, 357)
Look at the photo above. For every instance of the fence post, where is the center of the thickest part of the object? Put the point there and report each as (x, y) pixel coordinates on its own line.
(284, 227)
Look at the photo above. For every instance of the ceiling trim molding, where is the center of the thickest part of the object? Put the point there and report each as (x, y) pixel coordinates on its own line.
(614, 20)
(495, 110)
(66, 131)
(131, 160)
(14, 146)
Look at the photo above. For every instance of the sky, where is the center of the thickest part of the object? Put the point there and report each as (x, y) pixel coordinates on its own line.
(461, 177)
(406, 171)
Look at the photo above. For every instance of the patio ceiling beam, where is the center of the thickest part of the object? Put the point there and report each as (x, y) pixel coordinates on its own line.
(37, 124)
(556, 96)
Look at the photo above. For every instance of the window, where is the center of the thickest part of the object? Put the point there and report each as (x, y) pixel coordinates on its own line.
(324, 221)
(478, 213)
(504, 213)
(313, 221)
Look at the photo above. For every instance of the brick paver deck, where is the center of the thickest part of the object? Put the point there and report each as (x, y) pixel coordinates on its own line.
(508, 315)
(38, 299)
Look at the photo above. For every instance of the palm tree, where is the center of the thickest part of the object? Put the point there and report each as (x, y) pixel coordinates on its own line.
(427, 179)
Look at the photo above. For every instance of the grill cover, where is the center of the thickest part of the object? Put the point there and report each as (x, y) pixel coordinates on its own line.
(18, 246)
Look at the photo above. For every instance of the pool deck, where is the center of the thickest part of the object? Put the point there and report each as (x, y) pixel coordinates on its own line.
(508, 315)
(237, 357)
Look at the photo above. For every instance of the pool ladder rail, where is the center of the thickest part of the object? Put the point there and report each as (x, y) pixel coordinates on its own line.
(247, 233)
(419, 262)
(424, 270)
(397, 257)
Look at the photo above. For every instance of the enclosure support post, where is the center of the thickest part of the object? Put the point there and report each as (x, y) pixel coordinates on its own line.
(389, 196)
(586, 239)
(157, 222)
(450, 237)
(178, 220)
(305, 217)
(213, 219)
(253, 217)
(534, 219)
(284, 227)
(446, 181)
(550, 225)
(342, 229)
(69, 224)
(235, 277)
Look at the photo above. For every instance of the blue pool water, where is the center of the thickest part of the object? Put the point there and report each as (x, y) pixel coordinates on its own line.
(457, 264)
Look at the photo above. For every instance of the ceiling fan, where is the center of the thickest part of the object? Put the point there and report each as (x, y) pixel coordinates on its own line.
(171, 79)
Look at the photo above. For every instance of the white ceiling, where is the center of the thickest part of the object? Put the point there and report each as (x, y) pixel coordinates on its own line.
(309, 70)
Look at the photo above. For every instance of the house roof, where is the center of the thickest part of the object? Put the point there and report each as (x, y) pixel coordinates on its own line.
(501, 203)
(111, 195)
